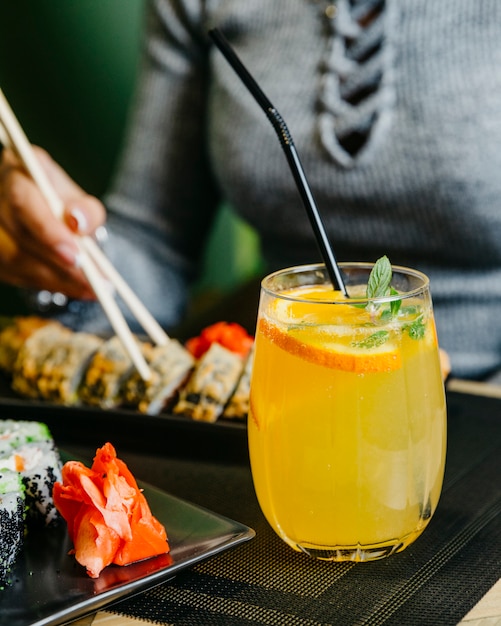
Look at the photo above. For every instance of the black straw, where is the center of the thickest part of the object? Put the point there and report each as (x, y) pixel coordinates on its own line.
(290, 152)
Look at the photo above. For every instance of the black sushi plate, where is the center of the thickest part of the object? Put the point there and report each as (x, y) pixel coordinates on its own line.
(165, 434)
(48, 587)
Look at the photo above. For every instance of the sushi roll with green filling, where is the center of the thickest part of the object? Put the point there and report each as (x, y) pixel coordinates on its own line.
(211, 384)
(170, 366)
(39, 466)
(14, 433)
(12, 507)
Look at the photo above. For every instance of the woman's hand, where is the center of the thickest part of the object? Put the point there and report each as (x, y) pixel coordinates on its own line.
(37, 250)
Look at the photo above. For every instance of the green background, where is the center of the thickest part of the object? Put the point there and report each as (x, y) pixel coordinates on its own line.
(67, 68)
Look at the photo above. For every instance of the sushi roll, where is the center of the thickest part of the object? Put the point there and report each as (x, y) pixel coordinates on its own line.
(52, 362)
(15, 433)
(13, 334)
(12, 507)
(238, 405)
(105, 376)
(39, 466)
(170, 366)
(32, 356)
(211, 384)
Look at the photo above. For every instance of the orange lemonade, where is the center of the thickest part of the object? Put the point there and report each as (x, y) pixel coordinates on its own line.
(347, 422)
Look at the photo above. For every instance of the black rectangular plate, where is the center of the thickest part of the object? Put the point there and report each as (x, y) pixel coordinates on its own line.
(49, 587)
(163, 433)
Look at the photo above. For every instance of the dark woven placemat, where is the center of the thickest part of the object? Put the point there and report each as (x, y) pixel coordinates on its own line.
(435, 581)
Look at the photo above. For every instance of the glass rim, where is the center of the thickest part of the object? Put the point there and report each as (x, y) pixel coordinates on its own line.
(312, 267)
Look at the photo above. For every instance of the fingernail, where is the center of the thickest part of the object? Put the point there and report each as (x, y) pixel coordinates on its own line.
(77, 220)
(101, 235)
(78, 260)
(67, 253)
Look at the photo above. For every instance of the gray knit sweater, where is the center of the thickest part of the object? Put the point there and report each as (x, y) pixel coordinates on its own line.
(395, 110)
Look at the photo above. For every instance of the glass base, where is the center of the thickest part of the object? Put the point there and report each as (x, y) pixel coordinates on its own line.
(352, 553)
(360, 552)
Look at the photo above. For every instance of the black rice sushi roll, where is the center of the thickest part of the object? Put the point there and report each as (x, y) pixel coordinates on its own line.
(12, 508)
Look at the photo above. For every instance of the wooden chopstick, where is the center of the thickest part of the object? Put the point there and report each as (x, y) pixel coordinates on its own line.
(140, 312)
(144, 317)
(4, 139)
(93, 262)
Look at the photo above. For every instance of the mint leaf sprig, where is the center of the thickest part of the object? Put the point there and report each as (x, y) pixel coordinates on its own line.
(379, 286)
(380, 278)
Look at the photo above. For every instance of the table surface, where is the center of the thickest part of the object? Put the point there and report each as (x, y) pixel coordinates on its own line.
(486, 612)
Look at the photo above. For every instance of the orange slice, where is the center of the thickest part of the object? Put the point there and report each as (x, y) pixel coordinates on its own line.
(340, 356)
(314, 304)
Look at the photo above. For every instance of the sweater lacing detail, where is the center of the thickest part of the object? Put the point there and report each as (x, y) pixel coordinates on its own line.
(357, 91)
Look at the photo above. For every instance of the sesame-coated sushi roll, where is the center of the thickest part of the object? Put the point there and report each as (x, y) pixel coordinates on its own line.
(52, 366)
(238, 405)
(39, 466)
(14, 332)
(62, 373)
(32, 357)
(107, 371)
(12, 508)
(211, 384)
(170, 366)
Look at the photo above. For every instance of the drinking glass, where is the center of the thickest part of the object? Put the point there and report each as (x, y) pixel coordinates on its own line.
(347, 425)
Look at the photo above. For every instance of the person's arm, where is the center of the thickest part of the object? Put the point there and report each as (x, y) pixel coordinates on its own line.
(163, 199)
